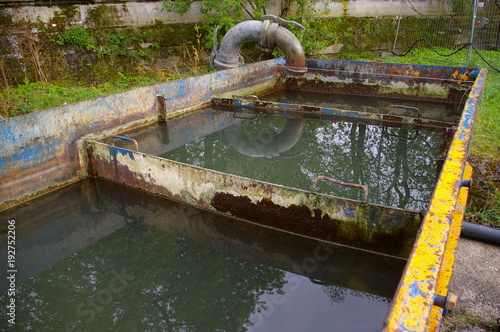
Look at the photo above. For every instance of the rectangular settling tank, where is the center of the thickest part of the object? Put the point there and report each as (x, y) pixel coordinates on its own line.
(365, 156)
(268, 156)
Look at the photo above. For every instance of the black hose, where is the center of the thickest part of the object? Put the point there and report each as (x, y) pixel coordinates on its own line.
(450, 54)
(480, 233)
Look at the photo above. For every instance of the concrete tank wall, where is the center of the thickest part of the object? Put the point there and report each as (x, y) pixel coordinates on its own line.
(145, 13)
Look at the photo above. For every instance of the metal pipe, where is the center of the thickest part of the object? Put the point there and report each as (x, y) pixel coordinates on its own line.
(268, 34)
(292, 50)
(471, 41)
(342, 183)
(480, 233)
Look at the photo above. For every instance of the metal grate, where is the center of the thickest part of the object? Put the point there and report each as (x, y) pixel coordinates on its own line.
(461, 24)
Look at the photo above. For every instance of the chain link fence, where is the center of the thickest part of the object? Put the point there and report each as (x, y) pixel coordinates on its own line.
(473, 25)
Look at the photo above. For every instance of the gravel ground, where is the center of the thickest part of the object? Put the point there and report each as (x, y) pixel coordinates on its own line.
(476, 282)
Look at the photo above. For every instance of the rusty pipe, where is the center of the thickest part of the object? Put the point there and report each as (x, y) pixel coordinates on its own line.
(292, 50)
(342, 183)
(269, 35)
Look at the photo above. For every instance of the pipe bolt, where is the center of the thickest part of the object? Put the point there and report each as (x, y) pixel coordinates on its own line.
(448, 302)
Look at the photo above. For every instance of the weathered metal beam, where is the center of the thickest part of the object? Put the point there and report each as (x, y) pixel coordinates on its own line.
(414, 300)
(381, 73)
(446, 269)
(252, 105)
(362, 225)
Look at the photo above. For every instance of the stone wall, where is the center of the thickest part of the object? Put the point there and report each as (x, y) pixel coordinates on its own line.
(92, 42)
(138, 13)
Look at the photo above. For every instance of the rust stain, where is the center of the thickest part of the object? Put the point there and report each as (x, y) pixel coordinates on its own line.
(300, 219)
(364, 89)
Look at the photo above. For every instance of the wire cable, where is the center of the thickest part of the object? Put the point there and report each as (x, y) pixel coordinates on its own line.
(428, 20)
(432, 47)
(447, 55)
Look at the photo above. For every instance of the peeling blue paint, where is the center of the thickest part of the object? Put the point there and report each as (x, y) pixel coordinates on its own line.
(349, 212)
(30, 155)
(415, 288)
(114, 151)
(404, 328)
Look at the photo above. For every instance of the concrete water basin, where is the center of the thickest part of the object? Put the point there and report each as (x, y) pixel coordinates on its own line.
(409, 126)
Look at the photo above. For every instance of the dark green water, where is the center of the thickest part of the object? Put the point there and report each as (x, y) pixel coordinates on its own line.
(400, 166)
(96, 256)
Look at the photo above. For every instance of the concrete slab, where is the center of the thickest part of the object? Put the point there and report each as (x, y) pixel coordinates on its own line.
(476, 281)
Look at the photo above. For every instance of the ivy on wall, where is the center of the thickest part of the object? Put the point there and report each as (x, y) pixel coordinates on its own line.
(98, 49)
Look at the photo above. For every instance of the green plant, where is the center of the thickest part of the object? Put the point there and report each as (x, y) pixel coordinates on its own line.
(463, 321)
(114, 45)
(318, 34)
(224, 14)
(489, 213)
(77, 37)
(228, 13)
(196, 50)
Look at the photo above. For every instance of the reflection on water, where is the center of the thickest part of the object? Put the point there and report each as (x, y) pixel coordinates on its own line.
(400, 166)
(95, 256)
(298, 308)
(267, 141)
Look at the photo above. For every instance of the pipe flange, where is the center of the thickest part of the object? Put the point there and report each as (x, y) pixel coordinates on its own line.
(224, 61)
(296, 70)
(268, 35)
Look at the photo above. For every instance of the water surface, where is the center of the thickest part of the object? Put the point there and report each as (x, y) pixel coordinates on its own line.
(399, 165)
(96, 256)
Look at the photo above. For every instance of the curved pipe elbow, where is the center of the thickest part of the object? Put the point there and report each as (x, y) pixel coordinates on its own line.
(228, 54)
(292, 50)
(266, 34)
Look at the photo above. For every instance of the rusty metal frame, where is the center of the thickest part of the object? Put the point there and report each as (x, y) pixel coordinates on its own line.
(256, 105)
(413, 305)
(351, 223)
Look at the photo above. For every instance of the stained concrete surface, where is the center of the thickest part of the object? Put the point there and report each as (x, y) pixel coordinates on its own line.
(476, 282)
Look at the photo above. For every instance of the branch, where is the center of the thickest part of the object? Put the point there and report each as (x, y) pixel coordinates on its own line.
(245, 8)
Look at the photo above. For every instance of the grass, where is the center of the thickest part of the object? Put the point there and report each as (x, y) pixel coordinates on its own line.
(487, 128)
(33, 96)
(464, 321)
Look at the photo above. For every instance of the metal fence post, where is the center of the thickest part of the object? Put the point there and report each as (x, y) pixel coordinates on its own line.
(473, 23)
